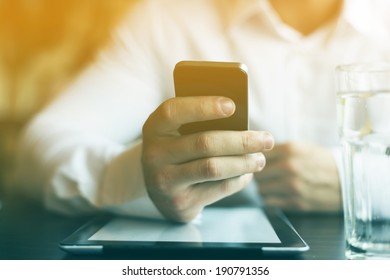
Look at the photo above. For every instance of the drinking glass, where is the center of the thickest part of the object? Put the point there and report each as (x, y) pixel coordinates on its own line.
(363, 108)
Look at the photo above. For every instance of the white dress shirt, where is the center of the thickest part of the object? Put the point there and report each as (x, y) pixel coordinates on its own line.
(73, 151)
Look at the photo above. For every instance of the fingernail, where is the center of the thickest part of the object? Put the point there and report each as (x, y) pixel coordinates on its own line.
(227, 106)
(268, 141)
(261, 160)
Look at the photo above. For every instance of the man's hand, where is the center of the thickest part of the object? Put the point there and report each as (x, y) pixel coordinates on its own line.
(184, 173)
(300, 177)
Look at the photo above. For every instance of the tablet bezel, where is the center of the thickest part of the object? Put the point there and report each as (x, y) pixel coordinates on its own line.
(79, 243)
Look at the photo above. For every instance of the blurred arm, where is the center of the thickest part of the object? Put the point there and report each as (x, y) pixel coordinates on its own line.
(83, 152)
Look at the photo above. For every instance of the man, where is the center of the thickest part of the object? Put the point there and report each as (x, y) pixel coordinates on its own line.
(104, 145)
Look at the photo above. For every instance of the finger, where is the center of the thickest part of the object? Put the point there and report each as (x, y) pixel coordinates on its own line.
(282, 151)
(188, 202)
(217, 143)
(175, 112)
(284, 203)
(276, 187)
(298, 204)
(210, 192)
(215, 169)
(276, 169)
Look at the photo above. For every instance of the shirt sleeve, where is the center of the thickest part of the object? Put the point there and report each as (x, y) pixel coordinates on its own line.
(83, 152)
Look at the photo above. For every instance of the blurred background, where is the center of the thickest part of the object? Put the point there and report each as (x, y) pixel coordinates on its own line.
(43, 45)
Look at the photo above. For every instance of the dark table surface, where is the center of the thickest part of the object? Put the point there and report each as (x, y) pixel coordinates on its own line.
(27, 231)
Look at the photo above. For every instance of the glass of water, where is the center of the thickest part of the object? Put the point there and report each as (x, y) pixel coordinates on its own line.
(363, 106)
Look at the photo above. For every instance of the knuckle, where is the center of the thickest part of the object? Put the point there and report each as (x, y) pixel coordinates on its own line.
(300, 205)
(246, 142)
(211, 169)
(203, 108)
(180, 204)
(187, 216)
(162, 180)
(150, 155)
(233, 185)
(295, 186)
(226, 187)
(168, 110)
(289, 148)
(293, 148)
(145, 128)
(185, 205)
(208, 107)
(203, 143)
(249, 162)
(290, 166)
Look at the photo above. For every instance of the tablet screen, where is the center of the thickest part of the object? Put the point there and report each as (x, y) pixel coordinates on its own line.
(215, 225)
(264, 231)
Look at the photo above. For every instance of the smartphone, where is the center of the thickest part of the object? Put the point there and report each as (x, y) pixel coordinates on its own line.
(209, 78)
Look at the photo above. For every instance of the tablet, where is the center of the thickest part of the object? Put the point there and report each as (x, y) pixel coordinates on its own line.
(267, 231)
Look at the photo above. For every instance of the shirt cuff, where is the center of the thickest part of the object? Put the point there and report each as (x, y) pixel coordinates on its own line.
(123, 191)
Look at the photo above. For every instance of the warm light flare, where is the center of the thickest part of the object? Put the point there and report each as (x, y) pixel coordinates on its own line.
(43, 44)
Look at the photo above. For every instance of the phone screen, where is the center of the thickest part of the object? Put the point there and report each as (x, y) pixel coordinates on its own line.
(204, 78)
